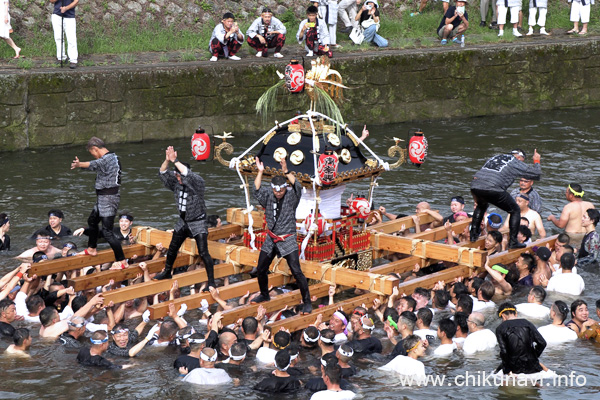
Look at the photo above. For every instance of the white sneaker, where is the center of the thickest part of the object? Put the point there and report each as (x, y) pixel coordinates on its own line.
(213, 58)
(530, 32)
(278, 55)
(543, 31)
(501, 32)
(309, 54)
(516, 33)
(234, 58)
(259, 54)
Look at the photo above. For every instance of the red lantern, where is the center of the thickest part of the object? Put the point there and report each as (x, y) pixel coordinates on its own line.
(361, 206)
(328, 167)
(294, 77)
(417, 148)
(200, 145)
(320, 222)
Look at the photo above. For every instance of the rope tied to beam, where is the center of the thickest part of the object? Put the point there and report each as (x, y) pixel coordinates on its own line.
(327, 267)
(471, 250)
(276, 267)
(414, 245)
(375, 235)
(382, 280)
(237, 267)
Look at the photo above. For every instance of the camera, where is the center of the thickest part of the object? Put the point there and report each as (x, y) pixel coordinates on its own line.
(368, 7)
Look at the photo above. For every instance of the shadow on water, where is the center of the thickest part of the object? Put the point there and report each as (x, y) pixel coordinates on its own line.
(32, 182)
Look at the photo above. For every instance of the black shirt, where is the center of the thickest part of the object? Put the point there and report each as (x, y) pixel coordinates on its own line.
(276, 384)
(87, 360)
(398, 350)
(187, 361)
(115, 350)
(366, 346)
(450, 14)
(317, 385)
(521, 345)
(69, 341)
(64, 231)
(6, 329)
(363, 17)
(5, 244)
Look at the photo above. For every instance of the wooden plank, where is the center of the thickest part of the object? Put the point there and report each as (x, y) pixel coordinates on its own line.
(239, 217)
(299, 322)
(77, 262)
(102, 278)
(399, 266)
(275, 304)
(440, 233)
(428, 281)
(224, 231)
(510, 256)
(434, 250)
(226, 292)
(395, 224)
(348, 277)
(153, 287)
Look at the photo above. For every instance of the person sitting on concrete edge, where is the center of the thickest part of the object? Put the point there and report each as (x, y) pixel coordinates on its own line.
(454, 23)
(314, 32)
(226, 39)
(266, 32)
(368, 16)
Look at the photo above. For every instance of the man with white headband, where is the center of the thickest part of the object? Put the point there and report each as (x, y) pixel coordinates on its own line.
(280, 381)
(310, 337)
(191, 361)
(207, 374)
(363, 342)
(326, 341)
(124, 341)
(489, 187)
(344, 355)
(92, 357)
(280, 213)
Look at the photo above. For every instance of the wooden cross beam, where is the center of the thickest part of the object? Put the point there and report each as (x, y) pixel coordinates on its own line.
(396, 224)
(510, 256)
(224, 231)
(239, 216)
(440, 233)
(226, 292)
(76, 262)
(275, 304)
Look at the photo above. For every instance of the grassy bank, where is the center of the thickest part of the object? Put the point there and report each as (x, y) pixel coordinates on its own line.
(128, 41)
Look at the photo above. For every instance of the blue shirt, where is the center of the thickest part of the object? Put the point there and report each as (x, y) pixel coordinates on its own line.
(64, 3)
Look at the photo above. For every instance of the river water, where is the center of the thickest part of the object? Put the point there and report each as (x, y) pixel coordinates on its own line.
(32, 182)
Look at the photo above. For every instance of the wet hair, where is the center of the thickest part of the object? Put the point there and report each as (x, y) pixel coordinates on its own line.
(465, 302)
(287, 314)
(459, 288)
(487, 290)
(476, 284)
(3, 216)
(567, 261)
(576, 187)
(497, 236)
(312, 10)
(513, 275)
(525, 219)
(212, 220)
(412, 303)
(38, 256)
(34, 303)
(529, 261)
(441, 298)
(5, 304)
(77, 320)
(506, 308)
(99, 335)
(525, 231)
(238, 349)
(410, 341)
(228, 15)
(594, 215)
(195, 346)
(313, 333)
(330, 359)
(563, 238)
(282, 339)
(460, 318)
(409, 319)
(126, 214)
(598, 304)
(78, 302)
(495, 218)
(423, 292)
(561, 309)
(168, 330)
(425, 315)
(347, 349)
(47, 315)
(250, 325)
(448, 326)
(44, 233)
(538, 293)
(576, 304)
(333, 372)
(282, 358)
(95, 142)
(278, 180)
(20, 336)
(568, 249)
(266, 10)
(390, 312)
(327, 334)
(56, 212)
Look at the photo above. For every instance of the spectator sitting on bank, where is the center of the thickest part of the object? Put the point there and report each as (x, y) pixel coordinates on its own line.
(314, 33)
(515, 9)
(368, 18)
(454, 23)
(580, 9)
(266, 32)
(226, 39)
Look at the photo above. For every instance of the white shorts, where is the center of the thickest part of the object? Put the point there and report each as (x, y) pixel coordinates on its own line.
(578, 11)
(514, 14)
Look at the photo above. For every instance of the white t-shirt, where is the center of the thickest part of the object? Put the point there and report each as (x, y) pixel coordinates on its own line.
(423, 333)
(459, 340)
(266, 355)
(481, 340)
(479, 305)
(445, 350)
(207, 376)
(553, 334)
(333, 395)
(566, 283)
(533, 310)
(340, 338)
(406, 366)
(559, 270)
(21, 309)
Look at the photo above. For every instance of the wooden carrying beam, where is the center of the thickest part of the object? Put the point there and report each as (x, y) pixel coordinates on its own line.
(226, 292)
(239, 216)
(510, 256)
(395, 224)
(381, 284)
(224, 231)
(275, 304)
(76, 262)
(440, 233)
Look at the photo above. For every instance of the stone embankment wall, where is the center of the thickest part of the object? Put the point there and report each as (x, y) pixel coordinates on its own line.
(127, 103)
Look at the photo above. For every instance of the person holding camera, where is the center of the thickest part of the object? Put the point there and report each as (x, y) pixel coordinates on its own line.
(226, 39)
(266, 32)
(368, 18)
(314, 33)
(454, 23)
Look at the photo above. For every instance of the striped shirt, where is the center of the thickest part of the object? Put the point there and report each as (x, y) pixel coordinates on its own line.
(108, 171)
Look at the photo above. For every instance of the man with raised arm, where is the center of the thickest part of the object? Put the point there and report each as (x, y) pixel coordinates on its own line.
(280, 203)
(108, 182)
(571, 216)
(188, 189)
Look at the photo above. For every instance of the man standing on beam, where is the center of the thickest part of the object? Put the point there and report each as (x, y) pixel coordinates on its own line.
(188, 189)
(489, 186)
(280, 205)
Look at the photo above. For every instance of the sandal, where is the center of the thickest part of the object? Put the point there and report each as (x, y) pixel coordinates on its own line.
(572, 31)
(583, 33)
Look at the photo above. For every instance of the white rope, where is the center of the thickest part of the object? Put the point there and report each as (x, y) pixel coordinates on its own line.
(385, 165)
(312, 226)
(372, 191)
(249, 206)
(315, 182)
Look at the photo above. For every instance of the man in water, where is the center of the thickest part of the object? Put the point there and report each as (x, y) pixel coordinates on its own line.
(43, 243)
(520, 343)
(572, 213)
(55, 226)
(526, 188)
(92, 357)
(21, 343)
(489, 186)
(280, 209)
(535, 223)
(108, 182)
(188, 189)
(8, 314)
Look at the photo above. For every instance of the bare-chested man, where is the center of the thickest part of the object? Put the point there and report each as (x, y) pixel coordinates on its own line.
(570, 218)
(43, 243)
(424, 207)
(535, 220)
